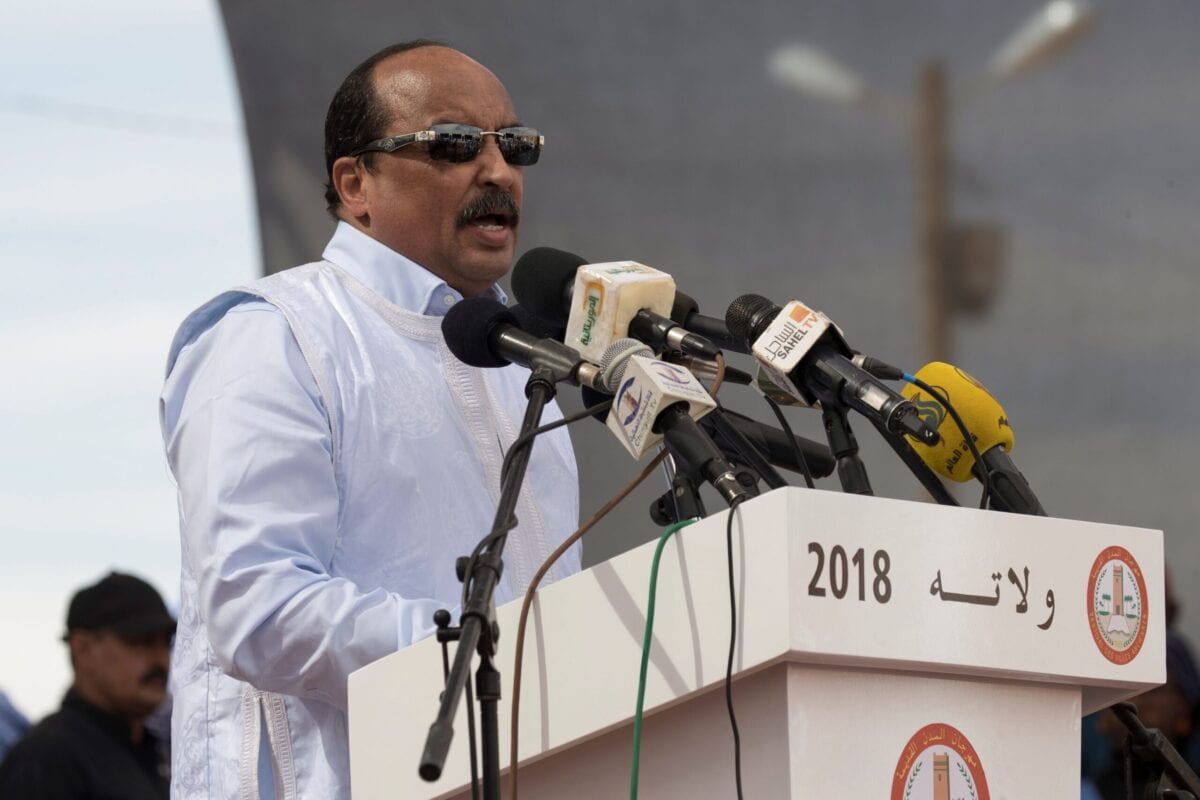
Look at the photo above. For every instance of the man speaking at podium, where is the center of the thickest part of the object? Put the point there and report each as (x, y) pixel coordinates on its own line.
(332, 456)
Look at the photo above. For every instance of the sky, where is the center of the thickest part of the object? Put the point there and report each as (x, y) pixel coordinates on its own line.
(127, 201)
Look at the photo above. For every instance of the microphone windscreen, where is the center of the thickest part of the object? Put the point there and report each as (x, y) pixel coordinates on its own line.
(540, 280)
(615, 360)
(982, 414)
(467, 328)
(539, 327)
(744, 314)
(683, 307)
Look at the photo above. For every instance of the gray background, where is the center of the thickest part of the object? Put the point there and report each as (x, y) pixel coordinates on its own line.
(668, 144)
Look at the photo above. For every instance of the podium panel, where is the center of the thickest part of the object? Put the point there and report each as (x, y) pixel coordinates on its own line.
(886, 648)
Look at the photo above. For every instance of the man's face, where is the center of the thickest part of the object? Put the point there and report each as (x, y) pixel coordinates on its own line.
(416, 205)
(124, 676)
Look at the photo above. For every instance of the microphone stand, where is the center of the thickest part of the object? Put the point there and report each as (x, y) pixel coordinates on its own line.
(478, 630)
(682, 499)
(850, 468)
(1170, 776)
(742, 449)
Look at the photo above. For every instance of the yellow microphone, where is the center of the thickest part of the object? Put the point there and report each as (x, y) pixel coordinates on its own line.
(984, 417)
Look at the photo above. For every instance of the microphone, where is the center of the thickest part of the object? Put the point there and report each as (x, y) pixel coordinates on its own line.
(726, 427)
(988, 424)
(655, 401)
(707, 370)
(805, 354)
(598, 303)
(482, 332)
(539, 327)
(771, 442)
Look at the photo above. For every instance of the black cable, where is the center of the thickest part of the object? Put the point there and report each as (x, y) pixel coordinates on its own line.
(787, 429)
(737, 739)
(967, 437)
(519, 443)
(471, 747)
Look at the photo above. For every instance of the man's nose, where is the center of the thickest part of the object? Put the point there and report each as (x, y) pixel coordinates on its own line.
(493, 169)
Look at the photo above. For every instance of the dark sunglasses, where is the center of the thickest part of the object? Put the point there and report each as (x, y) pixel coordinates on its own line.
(458, 143)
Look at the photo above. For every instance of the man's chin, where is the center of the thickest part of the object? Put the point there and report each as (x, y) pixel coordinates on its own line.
(481, 270)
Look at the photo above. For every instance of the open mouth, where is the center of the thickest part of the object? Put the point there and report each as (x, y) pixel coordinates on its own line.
(492, 212)
(492, 222)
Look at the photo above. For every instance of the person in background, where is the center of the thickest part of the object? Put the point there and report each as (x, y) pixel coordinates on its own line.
(97, 745)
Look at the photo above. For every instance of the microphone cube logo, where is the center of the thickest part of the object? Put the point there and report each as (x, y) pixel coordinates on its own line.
(790, 336)
(593, 303)
(605, 298)
(786, 341)
(650, 386)
(1116, 602)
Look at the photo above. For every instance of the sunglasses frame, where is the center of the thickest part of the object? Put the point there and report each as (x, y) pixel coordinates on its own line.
(453, 132)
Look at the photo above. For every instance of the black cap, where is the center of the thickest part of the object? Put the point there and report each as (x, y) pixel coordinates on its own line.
(123, 604)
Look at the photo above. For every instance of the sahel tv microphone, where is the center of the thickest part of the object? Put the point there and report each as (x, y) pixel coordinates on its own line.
(990, 430)
(806, 355)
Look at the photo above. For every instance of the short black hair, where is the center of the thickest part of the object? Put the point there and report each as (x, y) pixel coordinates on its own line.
(356, 116)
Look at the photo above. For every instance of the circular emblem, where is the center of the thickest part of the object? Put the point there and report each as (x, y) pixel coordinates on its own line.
(1116, 600)
(938, 763)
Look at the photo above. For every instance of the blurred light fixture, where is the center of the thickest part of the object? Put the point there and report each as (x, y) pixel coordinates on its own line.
(1047, 33)
(809, 70)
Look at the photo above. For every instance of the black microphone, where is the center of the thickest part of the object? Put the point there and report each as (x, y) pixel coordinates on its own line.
(825, 372)
(543, 281)
(482, 332)
(771, 442)
(539, 327)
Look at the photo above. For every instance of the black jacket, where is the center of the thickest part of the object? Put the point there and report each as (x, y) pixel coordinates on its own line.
(83, 753)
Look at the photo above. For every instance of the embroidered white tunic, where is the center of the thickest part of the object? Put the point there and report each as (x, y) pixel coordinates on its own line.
(333, 459)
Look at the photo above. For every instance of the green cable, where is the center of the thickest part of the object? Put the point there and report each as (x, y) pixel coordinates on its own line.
(641, 693)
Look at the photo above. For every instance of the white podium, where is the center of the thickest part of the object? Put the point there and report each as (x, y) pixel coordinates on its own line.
(886, 649)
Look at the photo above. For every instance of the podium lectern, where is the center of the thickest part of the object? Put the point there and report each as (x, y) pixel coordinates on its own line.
(886, 649)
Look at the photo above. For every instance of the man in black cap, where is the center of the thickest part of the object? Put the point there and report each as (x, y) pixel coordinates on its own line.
(97, 745)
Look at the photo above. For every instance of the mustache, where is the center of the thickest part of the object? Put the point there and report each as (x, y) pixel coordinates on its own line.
(493, 201)
(155, 674)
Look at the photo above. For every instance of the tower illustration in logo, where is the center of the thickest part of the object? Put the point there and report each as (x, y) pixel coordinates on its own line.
(1117, 605)
(1116, 620)
(939, 763)
(941, 776)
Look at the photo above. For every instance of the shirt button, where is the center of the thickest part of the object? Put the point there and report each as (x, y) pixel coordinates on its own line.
(448, 300)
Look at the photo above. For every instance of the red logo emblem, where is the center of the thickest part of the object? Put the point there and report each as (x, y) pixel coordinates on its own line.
(938, 763)
(1117, 607)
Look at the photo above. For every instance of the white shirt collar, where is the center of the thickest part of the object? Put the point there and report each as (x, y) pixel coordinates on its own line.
(399, 279)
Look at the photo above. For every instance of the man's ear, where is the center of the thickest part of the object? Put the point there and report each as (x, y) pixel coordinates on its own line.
(80, 642)
(349, 174)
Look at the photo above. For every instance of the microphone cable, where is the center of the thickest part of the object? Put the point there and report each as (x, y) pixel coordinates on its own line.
(799, 453)
(647, 637)
(527, 601)
(737, 739)
(525, 440)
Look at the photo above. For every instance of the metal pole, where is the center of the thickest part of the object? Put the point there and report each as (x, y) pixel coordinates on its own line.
(933, 177)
